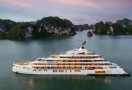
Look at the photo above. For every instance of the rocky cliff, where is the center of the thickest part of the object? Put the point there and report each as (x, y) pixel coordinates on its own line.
(100, 28)
(6, 25)
(22, 30)
(120, 27)
(48, 26)
(55, 26)
(126, 23)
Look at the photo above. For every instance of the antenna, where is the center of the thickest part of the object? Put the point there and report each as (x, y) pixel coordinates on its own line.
(84, 43)
(82, 46)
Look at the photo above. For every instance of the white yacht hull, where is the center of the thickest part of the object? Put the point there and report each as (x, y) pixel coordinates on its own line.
(30, 70)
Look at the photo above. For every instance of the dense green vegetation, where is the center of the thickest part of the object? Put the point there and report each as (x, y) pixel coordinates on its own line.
(2, 35)
(18, 30)
(120, 27)
(101, 28)
(6, 25)
(130, 30)
(125, 22)
(55, 22)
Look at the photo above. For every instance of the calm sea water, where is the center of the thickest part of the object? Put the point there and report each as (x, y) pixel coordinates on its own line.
(116, 49)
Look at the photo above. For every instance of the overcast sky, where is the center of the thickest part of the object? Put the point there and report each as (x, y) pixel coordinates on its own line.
(77, 11)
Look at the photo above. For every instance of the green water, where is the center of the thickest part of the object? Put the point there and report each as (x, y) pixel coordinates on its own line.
(117, 49)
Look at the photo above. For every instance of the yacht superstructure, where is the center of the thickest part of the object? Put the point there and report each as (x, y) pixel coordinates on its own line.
(73, 62)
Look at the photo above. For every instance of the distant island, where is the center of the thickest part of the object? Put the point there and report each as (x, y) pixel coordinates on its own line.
(83, 27)
(48, 26)
(121, 27)
(55, 26)
(89, 34)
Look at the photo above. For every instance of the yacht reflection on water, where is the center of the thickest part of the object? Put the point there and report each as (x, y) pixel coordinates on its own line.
(107, 81)
(31, 83)
(45, 80)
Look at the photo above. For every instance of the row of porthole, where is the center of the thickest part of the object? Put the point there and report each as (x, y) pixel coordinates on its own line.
(79, 64)
(82, 57)
(40, 70)
(66, 70)
(59, 70)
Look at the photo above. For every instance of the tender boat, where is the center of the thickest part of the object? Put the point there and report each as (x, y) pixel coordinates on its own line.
(74, 62)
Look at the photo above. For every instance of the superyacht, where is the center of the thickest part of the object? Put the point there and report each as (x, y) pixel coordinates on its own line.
(74, 62)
